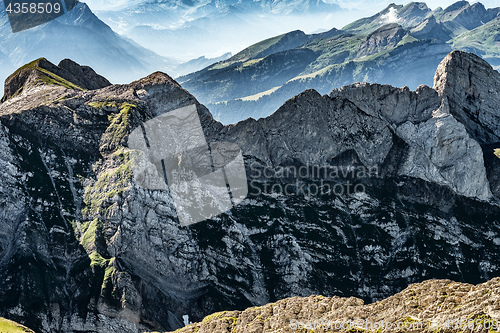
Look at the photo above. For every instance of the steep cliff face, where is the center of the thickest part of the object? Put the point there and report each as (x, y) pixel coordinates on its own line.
(84, 248)
(471, 88)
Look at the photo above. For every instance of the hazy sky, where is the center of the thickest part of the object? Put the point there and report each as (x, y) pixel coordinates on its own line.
(363, 5)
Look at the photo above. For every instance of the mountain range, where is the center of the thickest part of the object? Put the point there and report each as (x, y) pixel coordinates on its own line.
(190, 29)
(85, 248)
(401, 45)
(78, 35)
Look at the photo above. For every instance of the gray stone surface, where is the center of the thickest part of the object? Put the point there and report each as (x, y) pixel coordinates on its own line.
(85, 249)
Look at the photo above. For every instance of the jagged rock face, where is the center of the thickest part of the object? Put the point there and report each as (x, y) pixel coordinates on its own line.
(449, 305)
(364, 118)
(384, 37)
(100, 253)
(436, 140)
(471, 87)
(84, 76)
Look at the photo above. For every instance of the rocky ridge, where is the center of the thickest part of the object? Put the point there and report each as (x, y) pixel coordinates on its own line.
(84, 248)
(430, 306)
(68, 74)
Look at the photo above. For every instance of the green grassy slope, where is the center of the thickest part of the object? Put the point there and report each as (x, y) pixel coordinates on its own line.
(9, 326)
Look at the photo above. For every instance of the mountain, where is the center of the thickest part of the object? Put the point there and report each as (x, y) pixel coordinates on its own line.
(482, 40)
(357, 193)
(214, 27)
(431, 305)
(409, 15)
(81, 36)
(195, 65)
(67, 74)
(400, 45)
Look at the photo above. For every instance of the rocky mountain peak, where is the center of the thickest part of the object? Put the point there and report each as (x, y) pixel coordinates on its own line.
(470, 86)
(414, 10)
(161, 92)
(365, 119)
(39, 72)
(156, 78)
(456, 6)
(84, 76)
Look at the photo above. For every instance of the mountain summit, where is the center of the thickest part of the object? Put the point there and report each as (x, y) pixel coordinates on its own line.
(68, 74)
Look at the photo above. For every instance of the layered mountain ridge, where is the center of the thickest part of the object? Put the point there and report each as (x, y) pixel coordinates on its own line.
(209, 27)
(81, 36)
(84, 248)
(401, 45)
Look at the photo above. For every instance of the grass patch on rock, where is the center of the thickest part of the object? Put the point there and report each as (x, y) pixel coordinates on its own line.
(9, 326)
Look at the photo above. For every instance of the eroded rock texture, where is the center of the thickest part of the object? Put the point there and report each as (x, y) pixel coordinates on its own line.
(84, 248)
(434, 305)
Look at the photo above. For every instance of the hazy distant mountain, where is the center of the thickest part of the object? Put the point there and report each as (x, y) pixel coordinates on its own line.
(401, 45)
(194, 28)
(199, 63)
(81, 36)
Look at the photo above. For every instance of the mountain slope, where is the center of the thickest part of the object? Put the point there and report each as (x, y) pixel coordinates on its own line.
(81, 36)
(213, 27)
(83, 247)
(401, 45)
(482, 40)
(67, 74)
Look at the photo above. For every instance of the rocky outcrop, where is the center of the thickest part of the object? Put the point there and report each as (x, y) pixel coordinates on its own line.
(83, 76)
(85, 248)
(435, 305)
(385, 37)
(471, 87)
(39, 72)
